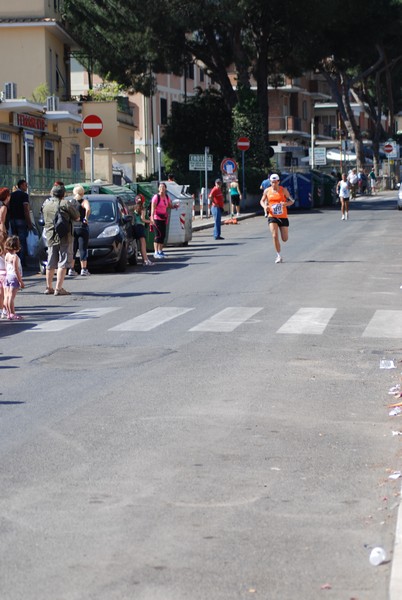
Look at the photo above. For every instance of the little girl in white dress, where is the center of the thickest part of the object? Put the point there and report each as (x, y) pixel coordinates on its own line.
(13, 280)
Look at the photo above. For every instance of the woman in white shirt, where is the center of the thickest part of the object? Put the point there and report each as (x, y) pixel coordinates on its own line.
(343, 190)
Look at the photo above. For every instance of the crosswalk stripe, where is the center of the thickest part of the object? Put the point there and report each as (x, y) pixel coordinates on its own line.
(151, 319)
(228, 319)
(385, 324)
(74, 319)
(308, 321)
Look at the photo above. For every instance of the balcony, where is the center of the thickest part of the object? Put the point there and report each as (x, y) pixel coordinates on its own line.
(288, 125)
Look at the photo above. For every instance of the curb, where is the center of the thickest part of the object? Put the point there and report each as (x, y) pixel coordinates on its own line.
(207, 223)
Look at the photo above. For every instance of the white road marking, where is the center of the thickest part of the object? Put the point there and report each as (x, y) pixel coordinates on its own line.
(228, 319)
(74, 319)
(308, 321)
(151, 319)
(385, 324)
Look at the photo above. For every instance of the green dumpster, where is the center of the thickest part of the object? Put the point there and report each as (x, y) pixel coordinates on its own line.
(148, 190)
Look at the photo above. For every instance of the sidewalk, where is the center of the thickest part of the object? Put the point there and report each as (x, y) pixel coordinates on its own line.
(207, 222)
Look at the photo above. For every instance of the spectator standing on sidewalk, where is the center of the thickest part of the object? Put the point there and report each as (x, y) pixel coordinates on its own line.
(353, 180)
(217, 202)
(4, 202)
(13, 279)
(372, 181)
(140, 222)
(20, 217)
(160, 205)
(59, 250)
(81, 232)
(235, 197)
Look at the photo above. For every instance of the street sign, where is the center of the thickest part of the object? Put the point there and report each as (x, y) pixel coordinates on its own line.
(228, 166)
(196, 162)
(320, 156)
(243, 143)
(28, 136)
(391, 148)
(92, 126)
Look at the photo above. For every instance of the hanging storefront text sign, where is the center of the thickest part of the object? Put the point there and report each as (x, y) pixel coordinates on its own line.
(29, 121)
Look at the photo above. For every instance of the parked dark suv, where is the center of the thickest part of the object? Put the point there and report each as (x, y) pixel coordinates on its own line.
(111, 239)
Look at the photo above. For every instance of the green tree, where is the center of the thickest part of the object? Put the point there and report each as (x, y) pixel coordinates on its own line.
(204, 120)
(40, 94)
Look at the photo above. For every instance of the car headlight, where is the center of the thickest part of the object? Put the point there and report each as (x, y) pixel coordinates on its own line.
(110, 231)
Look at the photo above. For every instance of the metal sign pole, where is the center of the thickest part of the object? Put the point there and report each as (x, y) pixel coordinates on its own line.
(92, 161)
(205, 199)
(159, 149)
(243, 176)
(26, 161)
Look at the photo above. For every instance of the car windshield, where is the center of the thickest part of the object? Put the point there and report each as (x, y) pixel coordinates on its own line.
(102, 212)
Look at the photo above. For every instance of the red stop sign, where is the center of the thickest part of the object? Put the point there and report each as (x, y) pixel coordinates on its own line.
(92, 125)
(388, 148)
(243, 143)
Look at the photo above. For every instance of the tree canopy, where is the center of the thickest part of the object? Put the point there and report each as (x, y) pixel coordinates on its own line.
(355, 45)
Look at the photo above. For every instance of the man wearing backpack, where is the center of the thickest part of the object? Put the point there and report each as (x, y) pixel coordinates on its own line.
(59, 248)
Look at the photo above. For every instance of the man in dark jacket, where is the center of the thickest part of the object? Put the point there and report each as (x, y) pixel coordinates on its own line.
(59, 250)
(20, 217)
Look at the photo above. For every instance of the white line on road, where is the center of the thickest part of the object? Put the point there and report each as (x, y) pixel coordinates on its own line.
(74, 319)
(228, 319)
(308, 321)
(385, 324)
(151, 319)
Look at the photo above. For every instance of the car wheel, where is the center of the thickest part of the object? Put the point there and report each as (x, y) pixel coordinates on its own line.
(121, 265)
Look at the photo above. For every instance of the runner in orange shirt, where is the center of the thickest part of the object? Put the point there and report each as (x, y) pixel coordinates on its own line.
(275, 201)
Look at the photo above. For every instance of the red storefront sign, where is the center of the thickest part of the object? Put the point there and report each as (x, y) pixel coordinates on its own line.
(29, 121)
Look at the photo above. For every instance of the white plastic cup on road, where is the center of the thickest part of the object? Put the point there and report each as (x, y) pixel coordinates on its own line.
(377, 556)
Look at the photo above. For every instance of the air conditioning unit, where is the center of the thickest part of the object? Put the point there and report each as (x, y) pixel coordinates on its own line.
(52, 103)
(10, 91)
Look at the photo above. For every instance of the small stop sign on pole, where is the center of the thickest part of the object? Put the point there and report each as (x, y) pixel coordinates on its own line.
(243, 143)
(92, 126)
(388, 148)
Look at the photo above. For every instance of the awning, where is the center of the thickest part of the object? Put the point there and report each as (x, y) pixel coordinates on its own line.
(336, 155)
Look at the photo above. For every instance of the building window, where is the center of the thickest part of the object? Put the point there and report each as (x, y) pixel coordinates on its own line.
(5, 154)
(163, 111)
(201, 75)
(190, 71)
(49, 159)
(57, 73)
(51, 88)
(304, 109)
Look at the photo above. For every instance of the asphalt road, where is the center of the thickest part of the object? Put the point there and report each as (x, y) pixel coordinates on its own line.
(212, 428)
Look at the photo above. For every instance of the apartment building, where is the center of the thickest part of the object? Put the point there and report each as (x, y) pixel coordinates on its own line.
(149, 116)
(36, 51)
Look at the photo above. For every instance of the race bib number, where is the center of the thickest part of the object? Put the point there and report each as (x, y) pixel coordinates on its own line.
(277, 209)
